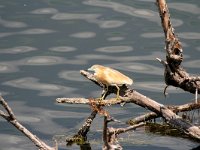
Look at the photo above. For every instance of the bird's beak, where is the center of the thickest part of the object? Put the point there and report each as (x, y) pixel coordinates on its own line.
(90, 69)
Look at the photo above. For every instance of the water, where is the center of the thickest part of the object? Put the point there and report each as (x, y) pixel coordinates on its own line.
(44, 44)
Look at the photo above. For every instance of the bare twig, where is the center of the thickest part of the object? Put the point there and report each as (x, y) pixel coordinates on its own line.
(10, 117)
(110, 134)
(7, 108)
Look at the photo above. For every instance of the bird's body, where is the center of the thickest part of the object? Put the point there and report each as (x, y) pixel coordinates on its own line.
(110, 77)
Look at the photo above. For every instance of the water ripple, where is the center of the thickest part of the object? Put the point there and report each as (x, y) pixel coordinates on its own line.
(189, 35)
(43, 11)
(12, 24)
(198, 48)
(156, 87)
(45, 89)
(91, 18)
(115, 49)
(28, 32)
(8, 141)
(152, 35)
(47, 60)
(63, 49)
(120, 58)
(5, 34)
(71, 75)
(36, 31)
(186, 7)
(138, 67)
(44, 60)
(111, 24)
(7, 67)
(75, 16)
(84, 35)
(141, 13)
(192, 64)
(17, 50)
(117, 38)
(176, 22)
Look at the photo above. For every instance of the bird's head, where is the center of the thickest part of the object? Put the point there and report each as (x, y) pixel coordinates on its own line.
(95, 68)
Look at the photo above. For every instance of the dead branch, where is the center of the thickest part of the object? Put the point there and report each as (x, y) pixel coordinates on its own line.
(10, 117)
(73, 100)
(143, 118)
(131, 96)
(110, 134)
(81, 136)
(175, 109)
(174, 74)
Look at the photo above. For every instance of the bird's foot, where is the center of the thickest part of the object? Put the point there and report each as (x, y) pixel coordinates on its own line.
(99, 100)
(118, 98)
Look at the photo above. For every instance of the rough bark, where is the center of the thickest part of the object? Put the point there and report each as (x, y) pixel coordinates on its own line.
(131, 96)
(175, 74)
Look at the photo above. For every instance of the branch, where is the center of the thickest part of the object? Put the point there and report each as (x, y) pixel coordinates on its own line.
(175, 75)
(10, 117)
(175, 109)
(81, 136)
(132, 96)
(7, 108)
(110, 134)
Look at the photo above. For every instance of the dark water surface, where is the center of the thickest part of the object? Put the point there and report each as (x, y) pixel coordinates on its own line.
(44, 44)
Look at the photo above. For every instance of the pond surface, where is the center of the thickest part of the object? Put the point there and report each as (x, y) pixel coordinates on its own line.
(44, 44)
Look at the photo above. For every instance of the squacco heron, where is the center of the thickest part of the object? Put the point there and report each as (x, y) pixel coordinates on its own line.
(109, 77)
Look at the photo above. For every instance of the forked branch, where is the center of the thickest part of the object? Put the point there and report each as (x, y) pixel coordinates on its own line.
(10, 117)
(175, 75)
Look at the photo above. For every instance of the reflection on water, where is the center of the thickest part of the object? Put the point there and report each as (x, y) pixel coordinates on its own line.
(34, 84)
(119, 58)
(138, 67)
(7, 68)
(128, 10)
(189, 35)
(186, 7)
(115, 49)
(192, 64)
(15, 142)
(36, 31)
(17, 50)
(44, 44)
(62, 49)
(118, 38)
(43, 11)
(156, 87)
(182, 35)
(72, 16)
(12, 24)
(71, 75)
(84, 35)
(28, 31)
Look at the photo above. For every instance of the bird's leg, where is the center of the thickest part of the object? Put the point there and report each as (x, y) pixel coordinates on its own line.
(117, 91)
(196, 95)
(105, 90)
